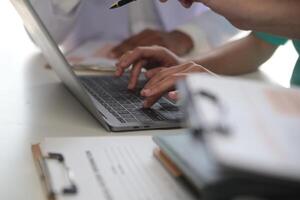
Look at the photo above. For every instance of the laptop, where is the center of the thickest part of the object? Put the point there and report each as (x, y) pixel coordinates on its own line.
(106, 97)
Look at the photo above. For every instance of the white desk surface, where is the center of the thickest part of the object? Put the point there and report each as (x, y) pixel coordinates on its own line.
(34, 105)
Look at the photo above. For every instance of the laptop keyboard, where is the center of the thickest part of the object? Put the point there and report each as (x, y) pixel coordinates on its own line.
(125, 105)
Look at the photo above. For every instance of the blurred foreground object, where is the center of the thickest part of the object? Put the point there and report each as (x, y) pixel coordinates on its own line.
(243, 139)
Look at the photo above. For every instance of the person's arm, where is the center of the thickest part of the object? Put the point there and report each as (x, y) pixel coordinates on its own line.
(239, 57)
(272, 16)
(176, 41)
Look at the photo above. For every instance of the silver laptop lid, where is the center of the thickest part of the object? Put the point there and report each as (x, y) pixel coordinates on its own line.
(53, 54)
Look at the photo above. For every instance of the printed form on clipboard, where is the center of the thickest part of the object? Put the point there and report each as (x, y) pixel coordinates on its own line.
(108, 168)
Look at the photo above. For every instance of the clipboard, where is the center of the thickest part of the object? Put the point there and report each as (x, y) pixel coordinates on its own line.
(40, 161)
(217, 154)
(105, 168)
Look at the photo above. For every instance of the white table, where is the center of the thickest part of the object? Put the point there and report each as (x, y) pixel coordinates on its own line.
(34, 105)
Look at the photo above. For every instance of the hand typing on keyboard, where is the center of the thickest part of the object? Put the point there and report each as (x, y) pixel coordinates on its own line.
(164, 69)
(154, 59)
(125, 105)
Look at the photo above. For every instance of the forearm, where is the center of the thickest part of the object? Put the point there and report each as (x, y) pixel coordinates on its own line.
(274, 16)
(238, 57)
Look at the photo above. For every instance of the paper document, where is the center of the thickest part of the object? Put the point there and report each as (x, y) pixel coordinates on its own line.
(112, 168)
(92, 55)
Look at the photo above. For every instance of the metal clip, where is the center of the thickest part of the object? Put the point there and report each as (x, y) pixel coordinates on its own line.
(71, 189)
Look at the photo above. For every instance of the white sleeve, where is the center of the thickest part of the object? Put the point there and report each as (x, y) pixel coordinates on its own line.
(208, 30)
(58, 16)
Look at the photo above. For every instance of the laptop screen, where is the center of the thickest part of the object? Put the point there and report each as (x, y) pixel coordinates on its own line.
(84, 32)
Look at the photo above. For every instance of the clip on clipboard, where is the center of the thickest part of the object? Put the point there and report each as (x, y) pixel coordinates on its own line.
(45, 176)
(199, 125)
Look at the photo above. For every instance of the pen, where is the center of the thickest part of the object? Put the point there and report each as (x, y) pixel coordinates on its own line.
(121, 3)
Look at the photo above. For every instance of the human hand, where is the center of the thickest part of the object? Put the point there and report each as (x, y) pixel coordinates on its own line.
(176, 41)
(153, 58)
(185, 3)
(165, 80)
